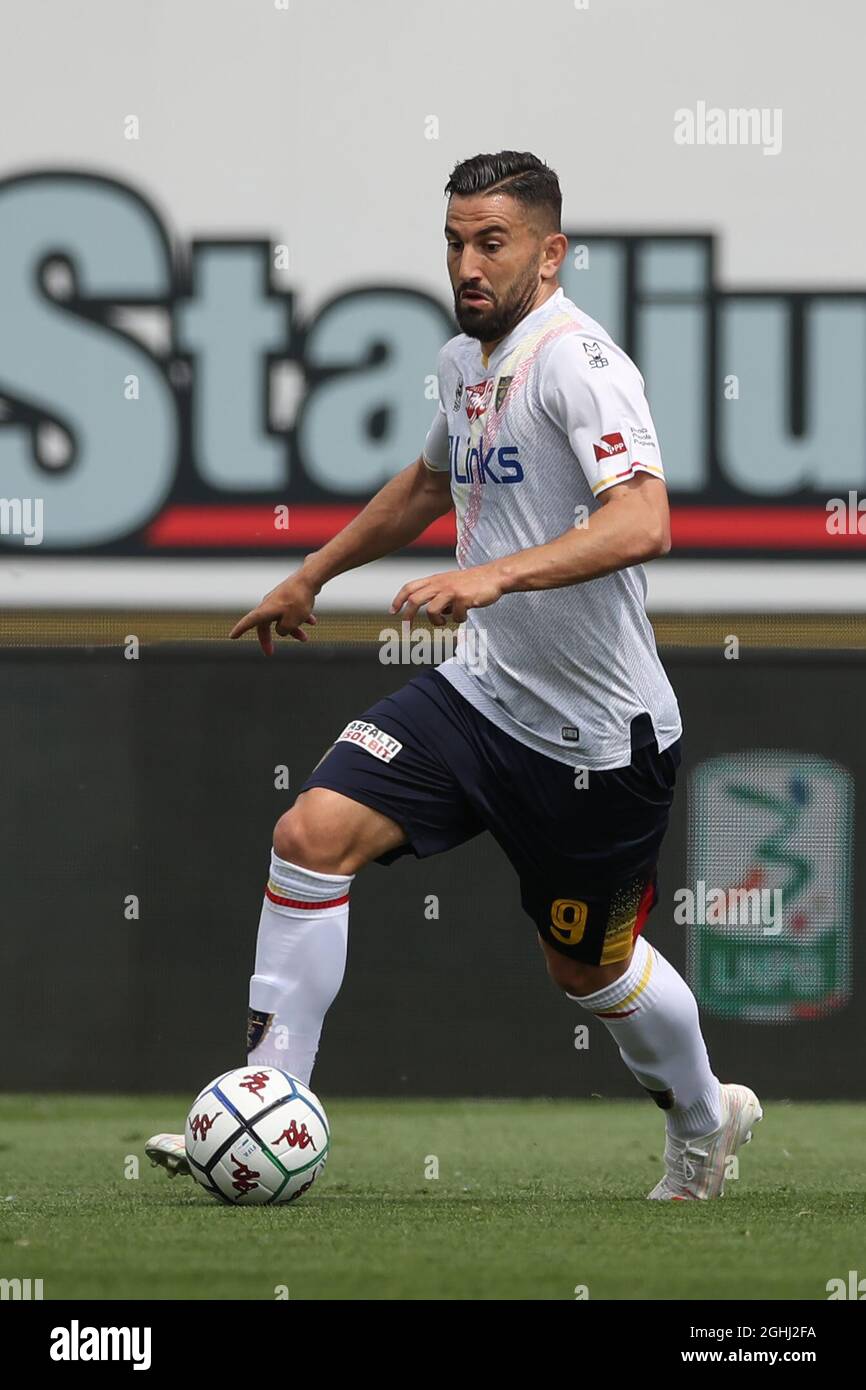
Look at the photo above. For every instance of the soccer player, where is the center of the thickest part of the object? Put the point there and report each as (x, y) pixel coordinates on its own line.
(554, 725)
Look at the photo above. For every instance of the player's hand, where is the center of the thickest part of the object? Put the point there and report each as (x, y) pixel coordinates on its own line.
(450, 595)
(287, 606)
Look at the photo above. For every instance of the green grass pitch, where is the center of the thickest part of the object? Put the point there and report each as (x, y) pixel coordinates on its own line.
(533, 1199)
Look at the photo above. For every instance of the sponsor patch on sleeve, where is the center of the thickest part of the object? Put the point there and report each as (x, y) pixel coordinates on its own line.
(641, 437)
(608, 446)
(367, 736)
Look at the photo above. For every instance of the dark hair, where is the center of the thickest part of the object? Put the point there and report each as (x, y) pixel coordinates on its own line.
(521, 175)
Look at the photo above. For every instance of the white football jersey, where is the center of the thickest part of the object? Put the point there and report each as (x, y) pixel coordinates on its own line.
(532, 436)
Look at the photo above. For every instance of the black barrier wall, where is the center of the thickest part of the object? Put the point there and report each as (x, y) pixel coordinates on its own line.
(140, 798)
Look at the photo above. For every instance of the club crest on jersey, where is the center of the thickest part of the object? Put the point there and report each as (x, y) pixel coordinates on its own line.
(478, 398)
(502, 386)
(458, 393)
(610, 444)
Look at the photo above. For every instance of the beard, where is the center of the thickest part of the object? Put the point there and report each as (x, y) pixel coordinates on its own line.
(490, 322)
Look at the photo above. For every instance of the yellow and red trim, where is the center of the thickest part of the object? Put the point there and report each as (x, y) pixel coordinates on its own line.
(272, 892)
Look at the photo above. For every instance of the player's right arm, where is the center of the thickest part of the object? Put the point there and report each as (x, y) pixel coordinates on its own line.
(397, 515)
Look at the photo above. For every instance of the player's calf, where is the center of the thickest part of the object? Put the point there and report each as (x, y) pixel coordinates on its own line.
(319, 845)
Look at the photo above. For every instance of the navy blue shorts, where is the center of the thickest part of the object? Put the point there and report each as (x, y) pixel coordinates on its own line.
(585, 856)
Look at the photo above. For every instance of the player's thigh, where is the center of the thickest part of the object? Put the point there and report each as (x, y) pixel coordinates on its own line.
(331, 833)
(400, 758)
(585, 852)
(587, 929)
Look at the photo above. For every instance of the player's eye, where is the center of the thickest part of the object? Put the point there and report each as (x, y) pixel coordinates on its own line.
(454, 245)
(493, 246)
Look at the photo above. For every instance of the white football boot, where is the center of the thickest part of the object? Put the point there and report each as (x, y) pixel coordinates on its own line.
(696, 1168)
(168, 1151)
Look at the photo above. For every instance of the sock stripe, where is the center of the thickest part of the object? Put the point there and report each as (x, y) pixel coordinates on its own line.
(271, 891)
(620, 1008)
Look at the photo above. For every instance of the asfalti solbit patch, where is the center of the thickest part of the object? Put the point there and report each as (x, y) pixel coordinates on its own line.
(374, 740)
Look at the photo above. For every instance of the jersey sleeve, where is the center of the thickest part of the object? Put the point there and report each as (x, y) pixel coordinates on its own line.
(435, 452)
(595, 394)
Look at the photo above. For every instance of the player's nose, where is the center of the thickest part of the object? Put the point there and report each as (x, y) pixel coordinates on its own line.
(468, 272)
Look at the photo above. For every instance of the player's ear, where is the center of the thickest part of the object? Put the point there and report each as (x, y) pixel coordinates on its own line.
(553, 252)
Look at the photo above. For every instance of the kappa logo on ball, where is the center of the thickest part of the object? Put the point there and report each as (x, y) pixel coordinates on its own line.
(610, 444)
(243, 1178)
(200, 1125)
(295, 1137)
(368, 736)
(255, 1082)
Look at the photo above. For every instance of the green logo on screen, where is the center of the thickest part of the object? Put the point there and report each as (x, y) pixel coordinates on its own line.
(770, 827)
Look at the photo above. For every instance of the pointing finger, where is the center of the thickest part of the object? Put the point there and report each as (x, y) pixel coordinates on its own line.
(249, 620)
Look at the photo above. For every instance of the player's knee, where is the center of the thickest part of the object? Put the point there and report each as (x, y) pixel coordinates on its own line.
(311, 835)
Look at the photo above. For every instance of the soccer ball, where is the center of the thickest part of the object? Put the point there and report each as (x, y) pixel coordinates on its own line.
(256, 1135)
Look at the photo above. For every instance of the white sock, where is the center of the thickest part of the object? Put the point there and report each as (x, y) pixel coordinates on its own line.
(652, 1015)
(300, 962)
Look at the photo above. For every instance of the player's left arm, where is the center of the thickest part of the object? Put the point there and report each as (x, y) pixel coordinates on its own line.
(631, 525)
